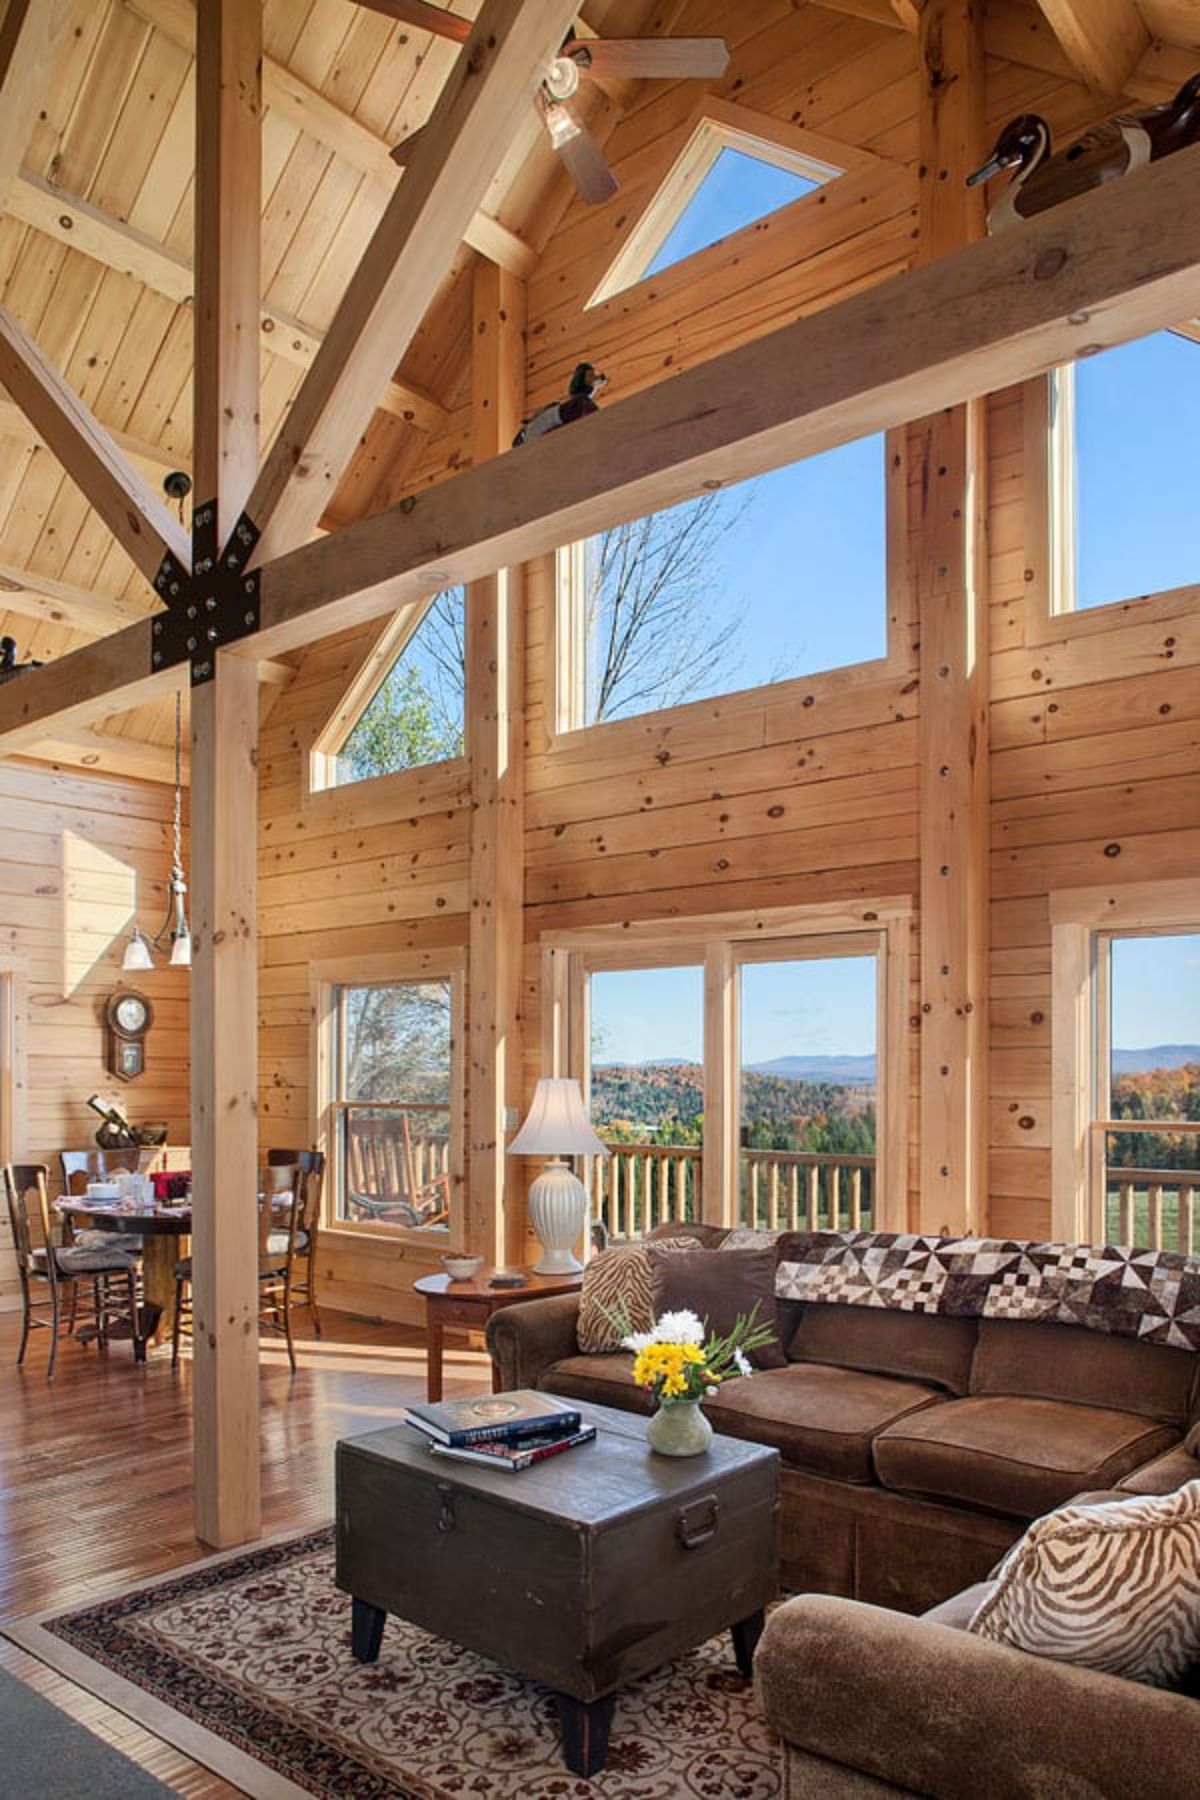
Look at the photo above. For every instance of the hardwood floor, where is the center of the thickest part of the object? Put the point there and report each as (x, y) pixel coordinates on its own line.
(95, 1476)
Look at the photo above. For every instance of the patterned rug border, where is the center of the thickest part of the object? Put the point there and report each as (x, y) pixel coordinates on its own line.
(35, 1633)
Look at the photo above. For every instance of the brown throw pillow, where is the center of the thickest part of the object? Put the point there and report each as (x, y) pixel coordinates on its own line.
(720, 1286)
(618, 1278)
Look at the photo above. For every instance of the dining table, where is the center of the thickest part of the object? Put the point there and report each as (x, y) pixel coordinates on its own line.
(160, 1227)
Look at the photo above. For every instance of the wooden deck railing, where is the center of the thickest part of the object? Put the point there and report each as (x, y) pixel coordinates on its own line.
(639, 1186)
(1153, 1208)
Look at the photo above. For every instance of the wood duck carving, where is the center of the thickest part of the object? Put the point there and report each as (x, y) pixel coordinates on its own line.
(1042, 179)
(585, 384)
(9, 666)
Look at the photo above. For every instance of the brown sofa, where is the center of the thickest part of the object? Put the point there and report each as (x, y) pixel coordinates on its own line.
(915, 1447)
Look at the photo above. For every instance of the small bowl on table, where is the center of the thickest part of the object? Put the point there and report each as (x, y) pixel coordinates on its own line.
(462, 1268)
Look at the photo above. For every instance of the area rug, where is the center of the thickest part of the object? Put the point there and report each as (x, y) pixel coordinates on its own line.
(244, 1663)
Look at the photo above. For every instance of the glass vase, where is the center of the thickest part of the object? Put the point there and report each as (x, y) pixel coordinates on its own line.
(679, 1428)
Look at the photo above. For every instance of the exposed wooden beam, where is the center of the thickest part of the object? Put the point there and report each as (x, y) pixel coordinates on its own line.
(224, 1038)
(495, 609)
(1104, 39)
(151, 457)
(949, 581)
(877, 12)
(59, 603)
(88, 747)
(908, 12)
(487, 95)
(133, 512)
(312, 112)
(70, 220)
(1112, 265)
(107, 677)
(1018, 31)
(28, 39)
(423, 17)
(227, 233)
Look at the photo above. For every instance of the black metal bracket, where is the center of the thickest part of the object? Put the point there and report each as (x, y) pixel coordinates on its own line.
(215, 605)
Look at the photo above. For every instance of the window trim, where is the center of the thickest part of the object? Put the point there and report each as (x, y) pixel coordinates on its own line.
(1080, 918)
(326, 976)
(1051, 553)
(566, 651)
(720, 942)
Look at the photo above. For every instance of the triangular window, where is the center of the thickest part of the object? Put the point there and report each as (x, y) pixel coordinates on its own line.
(737, 190)
(414, 714)
(723, 180)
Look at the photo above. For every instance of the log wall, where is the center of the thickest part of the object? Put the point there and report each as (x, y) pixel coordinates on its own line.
(805, 791)
(79, 855)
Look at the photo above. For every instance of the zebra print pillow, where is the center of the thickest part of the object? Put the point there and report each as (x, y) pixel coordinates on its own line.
(620, 1278)
(1114, 1586)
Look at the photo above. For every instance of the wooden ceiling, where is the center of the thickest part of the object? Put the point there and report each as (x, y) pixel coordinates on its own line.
(96, 237)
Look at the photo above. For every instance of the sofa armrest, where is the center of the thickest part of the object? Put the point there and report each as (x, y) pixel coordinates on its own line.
(957, 1717)
(526, 1338)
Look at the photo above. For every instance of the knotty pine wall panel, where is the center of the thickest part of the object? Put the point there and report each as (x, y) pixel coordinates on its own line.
(80, 856)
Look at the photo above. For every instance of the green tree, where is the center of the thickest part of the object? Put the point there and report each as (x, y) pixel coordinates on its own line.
(416, 713)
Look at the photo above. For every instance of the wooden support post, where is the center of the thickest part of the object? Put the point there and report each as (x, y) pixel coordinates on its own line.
(224, 845)
(952, 607)
(228, 234)
(224, 1102)
(496, 698)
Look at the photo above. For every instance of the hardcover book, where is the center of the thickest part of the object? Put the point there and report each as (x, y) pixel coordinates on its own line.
(508, 1417)
(492, 1453)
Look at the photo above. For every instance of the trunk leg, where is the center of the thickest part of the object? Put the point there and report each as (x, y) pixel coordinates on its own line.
(745, 1636)
(585, 1726)
(366, 1630)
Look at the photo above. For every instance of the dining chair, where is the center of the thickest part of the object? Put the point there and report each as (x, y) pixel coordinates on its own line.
(50, 1272)
(311, 1167)
(287, 1233)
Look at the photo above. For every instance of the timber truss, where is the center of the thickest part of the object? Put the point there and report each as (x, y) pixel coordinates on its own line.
(1112, 265)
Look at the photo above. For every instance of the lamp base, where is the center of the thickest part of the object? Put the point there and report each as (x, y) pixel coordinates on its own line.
(558, 1210)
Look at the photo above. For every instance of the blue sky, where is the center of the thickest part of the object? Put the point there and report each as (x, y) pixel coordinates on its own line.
(802, 1008)
(1156, 991)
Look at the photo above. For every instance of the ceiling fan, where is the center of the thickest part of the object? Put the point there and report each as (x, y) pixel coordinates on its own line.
(579, 59)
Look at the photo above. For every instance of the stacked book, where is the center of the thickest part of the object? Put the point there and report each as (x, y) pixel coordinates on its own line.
(502, 1431)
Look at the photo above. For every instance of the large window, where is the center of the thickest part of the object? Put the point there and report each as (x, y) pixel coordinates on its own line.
(1127, 1125)
(1124, 473)
(410, 714)
(390, 1062)
(734, 1074)
(781, 576)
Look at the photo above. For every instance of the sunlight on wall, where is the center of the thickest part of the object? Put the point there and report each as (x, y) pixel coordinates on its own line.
(99, 899)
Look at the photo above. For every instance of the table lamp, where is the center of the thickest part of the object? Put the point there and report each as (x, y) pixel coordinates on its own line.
(557, 1125)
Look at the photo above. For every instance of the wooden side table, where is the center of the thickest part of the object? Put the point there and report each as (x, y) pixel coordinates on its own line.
(468, 1305)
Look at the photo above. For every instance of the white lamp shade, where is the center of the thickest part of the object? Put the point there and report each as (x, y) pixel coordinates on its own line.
(557, 1123)
(137, 953)
(181, 951)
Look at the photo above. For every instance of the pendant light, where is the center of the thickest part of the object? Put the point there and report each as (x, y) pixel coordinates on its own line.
(175, 929)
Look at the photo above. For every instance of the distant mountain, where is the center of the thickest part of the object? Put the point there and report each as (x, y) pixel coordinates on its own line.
(847, 1071)
(1156, 1056)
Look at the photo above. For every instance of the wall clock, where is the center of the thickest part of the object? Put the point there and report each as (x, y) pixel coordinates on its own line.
(128, 1017)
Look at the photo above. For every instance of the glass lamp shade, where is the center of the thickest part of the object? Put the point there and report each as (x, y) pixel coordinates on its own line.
(557, 1123)
(181, 950)
(137, 953)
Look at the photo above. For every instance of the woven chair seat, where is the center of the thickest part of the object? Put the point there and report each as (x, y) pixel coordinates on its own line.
(79, 1260)
(127, 1242)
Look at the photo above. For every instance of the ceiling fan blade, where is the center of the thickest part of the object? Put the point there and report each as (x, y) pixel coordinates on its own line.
(650, 59)
(581, 154)
(423, 17)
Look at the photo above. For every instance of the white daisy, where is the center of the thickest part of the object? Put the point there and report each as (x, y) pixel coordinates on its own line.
(639, 1340)
(678, 1328)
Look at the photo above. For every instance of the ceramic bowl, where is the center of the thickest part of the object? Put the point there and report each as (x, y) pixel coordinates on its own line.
(103, 1190)
(462, 1268)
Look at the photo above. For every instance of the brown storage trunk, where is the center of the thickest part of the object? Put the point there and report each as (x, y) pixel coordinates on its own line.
(582, 1572)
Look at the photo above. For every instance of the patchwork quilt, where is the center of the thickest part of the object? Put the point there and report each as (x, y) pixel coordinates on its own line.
(1149, 1294)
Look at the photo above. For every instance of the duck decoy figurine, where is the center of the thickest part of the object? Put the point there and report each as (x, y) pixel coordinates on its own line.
(585, 383)
(9, 666)
(1105, 152)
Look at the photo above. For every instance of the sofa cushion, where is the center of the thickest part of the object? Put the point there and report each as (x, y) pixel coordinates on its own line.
(721, 1286)
(921, 1346)
(1013, 1455)
(619, 1280)
(818, 1417)
(608, 1380)
(1113, 1587)
(957, 1612)
(1063, 1362)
